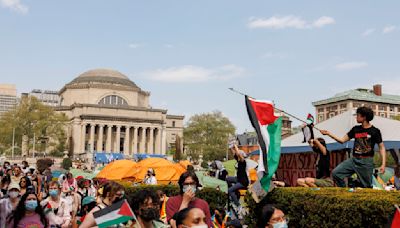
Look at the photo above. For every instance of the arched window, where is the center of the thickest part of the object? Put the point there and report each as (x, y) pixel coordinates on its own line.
(113, 100)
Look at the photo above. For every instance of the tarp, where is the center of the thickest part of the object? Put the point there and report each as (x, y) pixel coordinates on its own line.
(212, 182)
(144, 156)
(118, 170)
(107, 157)
(340, 125)
(165, 170)
(78, 172)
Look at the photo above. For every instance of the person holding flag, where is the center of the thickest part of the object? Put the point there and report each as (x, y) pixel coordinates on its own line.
(366, 136)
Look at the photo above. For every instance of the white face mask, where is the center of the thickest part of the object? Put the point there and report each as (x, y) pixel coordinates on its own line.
(280, 225)
(187, 187)
(13, 194)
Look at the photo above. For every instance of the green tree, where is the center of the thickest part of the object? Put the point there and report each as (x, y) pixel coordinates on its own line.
(32, 118)
(207, 134)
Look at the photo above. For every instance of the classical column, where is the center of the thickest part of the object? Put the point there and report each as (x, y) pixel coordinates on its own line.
(142, 141)
(135, 141)
(118, 140)
(100, 138)
(163, 140)
(127, 140)
(151, 141)
(76, 138)
(91, 137)
(108, 143)
(157, 140)
(83, 138)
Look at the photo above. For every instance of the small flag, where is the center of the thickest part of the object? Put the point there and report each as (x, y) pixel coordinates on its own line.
(310, 119)
(269, 129)
(117, 213)
(396, 219)
(47, 209)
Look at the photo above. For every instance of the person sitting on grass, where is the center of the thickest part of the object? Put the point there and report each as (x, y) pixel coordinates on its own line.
(323, 162)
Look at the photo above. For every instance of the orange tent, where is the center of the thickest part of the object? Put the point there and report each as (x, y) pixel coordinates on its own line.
(185, 163)
(165, 170)
(118, 170)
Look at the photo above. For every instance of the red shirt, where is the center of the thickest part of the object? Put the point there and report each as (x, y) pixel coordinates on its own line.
(174, 203)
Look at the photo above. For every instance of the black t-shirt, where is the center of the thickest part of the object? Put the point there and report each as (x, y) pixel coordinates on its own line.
(323, 164)
(241, 172)
(364, 140)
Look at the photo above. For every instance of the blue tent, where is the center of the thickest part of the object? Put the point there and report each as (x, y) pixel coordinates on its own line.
(101, 157)
(144, 156)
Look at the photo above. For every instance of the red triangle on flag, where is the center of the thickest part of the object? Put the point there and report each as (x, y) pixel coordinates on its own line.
(396, 219)
(125, 210)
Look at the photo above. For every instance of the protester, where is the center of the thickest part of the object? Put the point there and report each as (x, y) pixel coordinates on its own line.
(28, 213)
(17, 174)
(57, 209)
(220, 171)
(70, 184)
(188, 184)
(271, 217)
(395, 180)
(241, 181)
(4, 183)
(322, 178)
(366, 136)
(219, 218)
(25, 167)
(150, 178)
(24, 184)
(8, 205)
(191, 217)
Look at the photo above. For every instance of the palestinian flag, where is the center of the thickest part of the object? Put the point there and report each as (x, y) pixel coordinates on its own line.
(47, 209)
(310, 119)
(117, 213)
(269, 129)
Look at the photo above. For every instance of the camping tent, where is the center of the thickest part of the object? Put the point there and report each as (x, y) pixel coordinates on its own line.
(165, 170)
(118, 170)
(212, 182)
(185, 163)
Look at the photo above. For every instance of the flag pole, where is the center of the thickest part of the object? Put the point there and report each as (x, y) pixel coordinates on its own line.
(280, 110)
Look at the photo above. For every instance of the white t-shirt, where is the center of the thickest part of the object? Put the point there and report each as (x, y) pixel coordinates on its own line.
(150, 180)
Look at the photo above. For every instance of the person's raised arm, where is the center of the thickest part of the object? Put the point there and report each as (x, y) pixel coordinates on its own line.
(336, 138)
(321, 147)
(237, 153)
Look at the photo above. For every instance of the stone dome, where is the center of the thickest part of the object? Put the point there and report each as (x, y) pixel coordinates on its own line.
(103, 76)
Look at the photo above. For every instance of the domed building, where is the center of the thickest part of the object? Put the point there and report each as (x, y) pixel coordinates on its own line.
(110, 113)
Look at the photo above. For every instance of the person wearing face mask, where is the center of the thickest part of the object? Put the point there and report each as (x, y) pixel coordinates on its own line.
(146, 206)
(28, 213)
(191, 218)
(272, 217)
(7, 205)
(56, 208)
(188, 183)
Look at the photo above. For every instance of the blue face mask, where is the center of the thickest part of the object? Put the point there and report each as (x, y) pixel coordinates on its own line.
(53, 192)
(31, 205)
(280, 225)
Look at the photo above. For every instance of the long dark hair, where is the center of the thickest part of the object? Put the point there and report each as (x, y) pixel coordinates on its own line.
(28, 182)
(19, 212)
(265, 215)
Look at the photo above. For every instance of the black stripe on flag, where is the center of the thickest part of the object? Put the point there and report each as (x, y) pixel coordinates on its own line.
(113, 207)
(255, 123)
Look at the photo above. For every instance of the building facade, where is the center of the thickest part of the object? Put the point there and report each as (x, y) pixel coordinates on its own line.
(110, 113)
(47, 97)
(8, 97)
(384, 105)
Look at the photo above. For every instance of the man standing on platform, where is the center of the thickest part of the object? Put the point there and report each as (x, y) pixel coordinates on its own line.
(365, 136)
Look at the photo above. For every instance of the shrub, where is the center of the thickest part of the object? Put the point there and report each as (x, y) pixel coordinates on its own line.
(329, 207)
(214, 197)
(66, 163)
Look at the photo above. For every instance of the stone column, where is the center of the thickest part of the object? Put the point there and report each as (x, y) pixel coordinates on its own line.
(127, 140)
(83, 138)
(100, 138)
(108, 143)
(163, 140)
(76, 138)
(142, 141)
(157, 140)
(151, 141)
(91, 137)
(135, 140)
(118, 140)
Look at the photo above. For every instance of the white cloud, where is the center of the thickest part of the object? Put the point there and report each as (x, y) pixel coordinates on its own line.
(135, 45)
(368, 32)
(274, 55)
(350, 65)
(15, 5)
(289, 21)
(388, 29)
(190, 73)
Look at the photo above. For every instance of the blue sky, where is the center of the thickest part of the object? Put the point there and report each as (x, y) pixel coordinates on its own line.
(188, 53)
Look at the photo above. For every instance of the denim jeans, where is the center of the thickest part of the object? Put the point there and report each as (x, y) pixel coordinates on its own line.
(232, 190)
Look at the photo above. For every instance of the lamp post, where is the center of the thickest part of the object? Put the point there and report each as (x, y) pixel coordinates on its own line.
(13, 143)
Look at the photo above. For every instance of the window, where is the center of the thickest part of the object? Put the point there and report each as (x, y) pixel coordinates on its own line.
(113, 100)
(382, 108)
(320, 109)
(332, 114)
(382, 114)
(343, 106)
(320, 118)
(392, 108)
(173, 123)
(356, 105)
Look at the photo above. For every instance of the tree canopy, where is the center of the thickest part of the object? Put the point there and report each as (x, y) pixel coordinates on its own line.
(207, 134)
(32, 118)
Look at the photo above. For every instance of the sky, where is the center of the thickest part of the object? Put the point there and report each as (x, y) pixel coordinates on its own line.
(188, 53)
